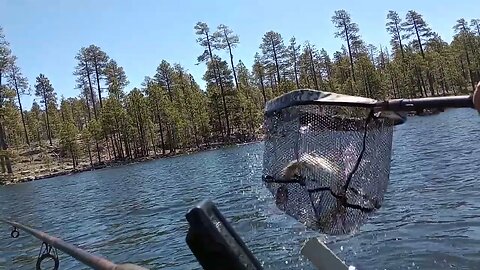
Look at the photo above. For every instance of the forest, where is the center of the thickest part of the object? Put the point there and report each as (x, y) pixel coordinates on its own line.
(170, 113)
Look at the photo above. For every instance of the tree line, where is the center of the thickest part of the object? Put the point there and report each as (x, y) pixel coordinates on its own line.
(170, 111)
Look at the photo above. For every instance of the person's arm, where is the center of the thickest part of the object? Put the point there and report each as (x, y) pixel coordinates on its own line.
(476, 97)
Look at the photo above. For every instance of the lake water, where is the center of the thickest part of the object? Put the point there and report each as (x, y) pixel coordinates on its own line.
(136, 213)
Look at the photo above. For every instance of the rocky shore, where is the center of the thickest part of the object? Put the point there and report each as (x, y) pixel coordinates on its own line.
(34, 165)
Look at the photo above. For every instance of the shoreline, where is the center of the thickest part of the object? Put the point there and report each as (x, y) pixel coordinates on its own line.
(18, 177)
(27, 176)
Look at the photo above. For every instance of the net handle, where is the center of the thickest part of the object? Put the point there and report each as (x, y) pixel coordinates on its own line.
(315, 97)
(465, 101)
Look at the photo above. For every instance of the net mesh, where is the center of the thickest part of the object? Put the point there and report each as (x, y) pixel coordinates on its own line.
(327, 166)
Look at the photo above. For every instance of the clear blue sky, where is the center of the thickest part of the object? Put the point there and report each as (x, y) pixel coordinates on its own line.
(46, 35)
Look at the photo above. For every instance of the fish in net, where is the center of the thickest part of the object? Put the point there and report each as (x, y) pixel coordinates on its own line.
(327, 162)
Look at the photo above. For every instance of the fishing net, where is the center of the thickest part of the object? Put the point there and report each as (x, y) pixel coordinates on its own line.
(327, 158)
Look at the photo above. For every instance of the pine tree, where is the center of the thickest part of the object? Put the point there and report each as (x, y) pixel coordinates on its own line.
(293, 52)
(464, 34)
(187, 111)
(342, 72)
(475, 24)
(12, 123)
(157, 100)
(116, 79)
(84, 74)
(225, 39)
(95, 130)
(394, 28)
(82, 86)
(226, 75)
(250, 99)
(399, 78)
(414, 25)
(17, 81)
(457, 49)
(98, 60)
(327, 68)
(5, 56)
(136, 106)
(309, 54)
(205, 41)
(348, 31)
(113, 116)
(436, 51)
(86, 139)
(68, 133)
(90, 63)
(274, 52)
(181, 116)
(34, 123)
(45, 91)
(164, 77)
(259, 75)
(199, 103)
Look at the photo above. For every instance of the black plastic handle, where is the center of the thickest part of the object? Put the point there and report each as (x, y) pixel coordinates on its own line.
(214, 242)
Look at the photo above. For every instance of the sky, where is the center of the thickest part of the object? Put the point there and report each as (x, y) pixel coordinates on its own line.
(46, 35)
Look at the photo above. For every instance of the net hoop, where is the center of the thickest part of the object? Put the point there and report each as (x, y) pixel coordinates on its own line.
(315, 97)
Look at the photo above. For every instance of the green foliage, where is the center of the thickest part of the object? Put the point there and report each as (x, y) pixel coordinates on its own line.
(12, 122)
(35, 129)
(95, 129)
(116, 79)
(68, 140)
(137, 121)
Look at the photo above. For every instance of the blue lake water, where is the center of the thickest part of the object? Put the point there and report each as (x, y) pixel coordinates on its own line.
(136, 213)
